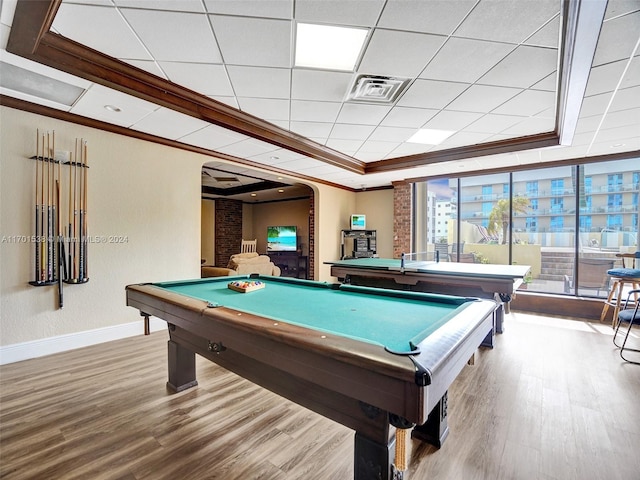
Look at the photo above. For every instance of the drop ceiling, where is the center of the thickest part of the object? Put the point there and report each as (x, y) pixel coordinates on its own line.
(514, 82)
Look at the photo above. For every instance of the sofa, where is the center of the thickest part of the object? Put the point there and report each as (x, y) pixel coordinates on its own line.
(243, 264)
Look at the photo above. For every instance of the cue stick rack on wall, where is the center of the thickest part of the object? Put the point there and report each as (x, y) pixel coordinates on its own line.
(60, 246)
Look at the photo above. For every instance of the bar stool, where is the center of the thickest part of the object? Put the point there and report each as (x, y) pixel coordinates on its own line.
(627, 276)
(632, 317)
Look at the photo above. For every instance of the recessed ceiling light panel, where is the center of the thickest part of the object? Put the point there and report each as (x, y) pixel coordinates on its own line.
(328, 47)
(25, 81)
(428, 136)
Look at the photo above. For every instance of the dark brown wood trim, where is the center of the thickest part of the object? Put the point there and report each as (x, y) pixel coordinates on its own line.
(519, 168)
(76, 59)
(30, 37)
(32, 20)
(480, 150)
(108, 127)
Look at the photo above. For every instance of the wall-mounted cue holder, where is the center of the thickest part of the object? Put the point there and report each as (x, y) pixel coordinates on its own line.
(60, 247)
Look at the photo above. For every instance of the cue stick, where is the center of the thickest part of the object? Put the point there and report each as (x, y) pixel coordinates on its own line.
(81, 217)
(37, 243)
(60, 260)
(84, 212)
(42, 210)
(49, 213)
(75, 219)
(70, 213)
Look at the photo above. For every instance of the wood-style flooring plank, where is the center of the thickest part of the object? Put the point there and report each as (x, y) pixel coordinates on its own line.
(552, 401)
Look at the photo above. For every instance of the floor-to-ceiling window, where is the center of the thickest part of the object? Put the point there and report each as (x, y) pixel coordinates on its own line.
(567, 222)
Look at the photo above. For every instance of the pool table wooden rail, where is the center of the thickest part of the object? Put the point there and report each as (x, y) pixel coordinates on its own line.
(355, 383)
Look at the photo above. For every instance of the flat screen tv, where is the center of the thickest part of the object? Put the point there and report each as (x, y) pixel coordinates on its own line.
(282, 239)
(358, 222)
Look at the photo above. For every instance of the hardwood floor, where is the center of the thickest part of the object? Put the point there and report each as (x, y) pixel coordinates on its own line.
(553, 400)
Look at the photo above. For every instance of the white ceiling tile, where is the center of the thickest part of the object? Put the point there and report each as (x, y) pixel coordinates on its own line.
(344, 145)
(248, 148)
(351, 132)
(473, 58)
(279, 155)
(321, 170)
(618, 38)
(252, 8)
(300, 164)
(491, 123)
(173, 36)
(312, 129)
(440, 16)
(408, 117)
(148, 66)
(620, 134)
(482, 98)
(549, 83)
(606, 148)
(362, 114)
(392, 134)
(266, 108)
(622, 118)
(461, 139)
(203, 78)
(263, 42)
(284, 124)
(530, 126)
(625, 99)
(213, 137)
(547, 36)
(132, 109)
(338, 12)
(506, 20)
(412, 149)
(383, 56)
(231, 101)
(605, 78)
(260, 81)
(175, 5)
(7, 10)
(319, 111)
(101, 28)
(431, 94)
(450, 120)
(319, 85)
(522, 68)
(529, 102)
(169, 124)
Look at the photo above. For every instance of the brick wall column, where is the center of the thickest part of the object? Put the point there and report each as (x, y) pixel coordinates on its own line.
(312, 236)
(402, 202)
(228, 229)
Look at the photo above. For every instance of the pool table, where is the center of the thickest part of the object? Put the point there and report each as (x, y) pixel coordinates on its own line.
(378, 361)
(499, 282)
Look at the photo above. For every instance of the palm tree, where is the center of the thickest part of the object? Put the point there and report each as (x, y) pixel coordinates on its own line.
(499, 216)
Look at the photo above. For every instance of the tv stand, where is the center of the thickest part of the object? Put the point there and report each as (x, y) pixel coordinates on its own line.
(292, 264)
(363, 243)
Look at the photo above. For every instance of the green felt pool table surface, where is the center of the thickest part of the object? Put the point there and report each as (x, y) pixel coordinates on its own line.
(360, 313)
(321, 346)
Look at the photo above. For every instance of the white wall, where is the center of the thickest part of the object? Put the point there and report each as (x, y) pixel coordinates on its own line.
(146, 193)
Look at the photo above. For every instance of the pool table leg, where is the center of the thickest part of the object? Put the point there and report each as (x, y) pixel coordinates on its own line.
(435, 430)
(182, 367)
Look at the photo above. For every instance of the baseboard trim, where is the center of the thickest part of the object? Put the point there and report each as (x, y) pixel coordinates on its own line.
(18, 352)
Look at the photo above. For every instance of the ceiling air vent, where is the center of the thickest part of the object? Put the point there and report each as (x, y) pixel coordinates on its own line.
(376, 89)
